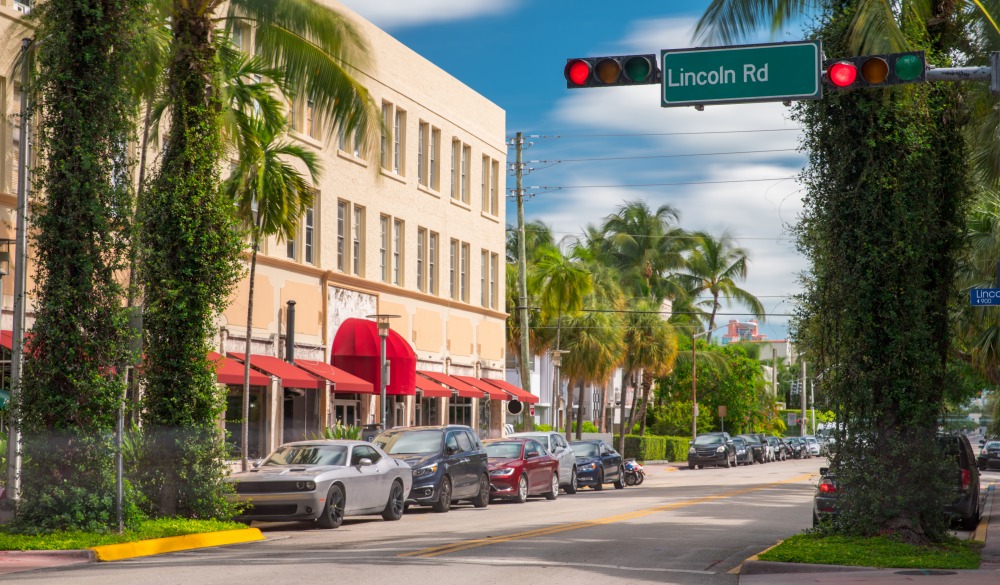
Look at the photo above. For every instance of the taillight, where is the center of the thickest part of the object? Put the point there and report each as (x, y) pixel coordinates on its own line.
(827, 488)
(966, 479)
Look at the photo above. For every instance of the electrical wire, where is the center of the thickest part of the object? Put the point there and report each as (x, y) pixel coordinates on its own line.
(551, 162)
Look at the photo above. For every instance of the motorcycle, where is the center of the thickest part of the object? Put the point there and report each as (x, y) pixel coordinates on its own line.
(634, 473)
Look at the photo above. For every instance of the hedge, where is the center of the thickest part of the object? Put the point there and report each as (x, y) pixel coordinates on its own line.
(655, 448)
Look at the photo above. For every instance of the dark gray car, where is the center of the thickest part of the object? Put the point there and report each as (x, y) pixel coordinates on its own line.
(712, 449)
(449, 464)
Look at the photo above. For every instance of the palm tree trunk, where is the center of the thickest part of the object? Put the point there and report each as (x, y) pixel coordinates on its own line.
(579, 412)
(604, 408)
(646, 388)
(711, 321)
(245, 420)
(570, 396)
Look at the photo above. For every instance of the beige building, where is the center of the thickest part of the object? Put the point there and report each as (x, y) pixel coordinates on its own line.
(416, 229)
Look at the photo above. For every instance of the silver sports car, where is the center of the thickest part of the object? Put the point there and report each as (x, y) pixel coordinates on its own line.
(323, 480)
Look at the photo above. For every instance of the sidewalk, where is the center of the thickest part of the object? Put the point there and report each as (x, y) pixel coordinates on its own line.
(768, 573)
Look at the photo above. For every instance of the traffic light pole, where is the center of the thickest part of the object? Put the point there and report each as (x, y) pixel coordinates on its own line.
(522, 274)
(989, 73)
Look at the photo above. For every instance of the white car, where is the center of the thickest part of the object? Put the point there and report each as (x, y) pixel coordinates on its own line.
(813, 445)
(557, 446)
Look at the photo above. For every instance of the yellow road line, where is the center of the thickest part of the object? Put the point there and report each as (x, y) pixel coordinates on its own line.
(478, 542)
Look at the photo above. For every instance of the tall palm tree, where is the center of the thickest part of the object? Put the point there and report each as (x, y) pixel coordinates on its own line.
(561, 283)
(596, 344)
(651, 344)
(646, 246)
(713, 266)
(271, 196)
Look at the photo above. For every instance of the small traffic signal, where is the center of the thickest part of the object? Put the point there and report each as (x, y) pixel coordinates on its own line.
(876, 70)
(611, 71)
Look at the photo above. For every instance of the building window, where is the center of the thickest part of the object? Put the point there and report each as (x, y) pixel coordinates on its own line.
(290, 248)
(357, 234)
(237, 38)
(341, 233)
(494, 187)
(464, 274)
(421, 258)
(494, 275)
(383, 251)
(435, 162)
(455, 146)
(466, 155)
(384, 145)
(453, 270)
(422, 140)
(432, 263)
(357, 143)
(291, 115)
(398, 128)
(341, 138)
(484, 262)
(308, 236)
(486, 184)
(397, 252)
(311, 122)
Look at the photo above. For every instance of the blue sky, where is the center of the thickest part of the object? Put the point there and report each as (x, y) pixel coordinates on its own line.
(729, 168)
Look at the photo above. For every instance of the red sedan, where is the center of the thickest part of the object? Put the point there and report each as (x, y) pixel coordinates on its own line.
(520, 468)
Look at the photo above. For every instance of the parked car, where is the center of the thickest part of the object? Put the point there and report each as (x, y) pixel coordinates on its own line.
(449, 464)
(778, 447)
(989, 455)
(597, 463)
(520, 467)
(798, 447)
(555, 443)
(757, 446)
(812, 444)
(322, 481)
(744, 454)
(712, 449)
(966, 509)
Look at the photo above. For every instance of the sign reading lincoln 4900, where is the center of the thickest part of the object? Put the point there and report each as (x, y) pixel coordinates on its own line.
(748, 73)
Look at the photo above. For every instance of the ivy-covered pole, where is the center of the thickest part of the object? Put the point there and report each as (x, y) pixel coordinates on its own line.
(71, 387)
(189, 263)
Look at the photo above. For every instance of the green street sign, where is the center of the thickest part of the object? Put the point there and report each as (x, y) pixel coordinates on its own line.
(773, 72)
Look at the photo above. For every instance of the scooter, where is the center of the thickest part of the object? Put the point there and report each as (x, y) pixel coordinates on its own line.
(634, 473)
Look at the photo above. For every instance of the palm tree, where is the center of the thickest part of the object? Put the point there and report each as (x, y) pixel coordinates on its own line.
(595, 342)
(271, 196)
(645, 246)
(651, 344)
(562, 283)
(714, 265)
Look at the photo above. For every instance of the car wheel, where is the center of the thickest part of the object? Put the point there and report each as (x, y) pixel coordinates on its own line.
(620, 482)
(522, 490)
(600, 480)
(571, 486)
(692, 466)
(729, 462)
(444, 500)
(555, 488)
(482, 499)
(394, 506)
(333, 510)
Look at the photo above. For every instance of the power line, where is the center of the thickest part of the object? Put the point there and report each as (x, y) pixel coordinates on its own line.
(661, 156)
(625, 135)
(551, 188)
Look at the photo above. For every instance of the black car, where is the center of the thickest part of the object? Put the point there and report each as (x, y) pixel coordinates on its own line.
(712, 449)
(989, 456)
(798, 448)
(758, 447)
(449, 464)
(966, 509)
(781, 450)
(597, 463)
(744, 455)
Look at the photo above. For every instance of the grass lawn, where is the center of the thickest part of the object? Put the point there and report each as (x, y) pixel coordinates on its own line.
(878, 552)
(146, 530)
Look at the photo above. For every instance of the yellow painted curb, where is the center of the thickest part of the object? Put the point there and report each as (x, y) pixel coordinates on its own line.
(736, 570)
(984, 522)
(670, 469)
(145, 548)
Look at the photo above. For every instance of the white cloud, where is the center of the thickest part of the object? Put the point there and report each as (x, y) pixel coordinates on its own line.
(395, 14)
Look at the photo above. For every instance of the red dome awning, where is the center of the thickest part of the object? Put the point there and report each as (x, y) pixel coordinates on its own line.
(357, 350)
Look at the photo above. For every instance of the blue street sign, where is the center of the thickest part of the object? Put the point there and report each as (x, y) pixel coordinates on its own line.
(984, 297)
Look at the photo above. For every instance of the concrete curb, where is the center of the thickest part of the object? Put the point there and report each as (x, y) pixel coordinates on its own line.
(772, 567)
(144, 548)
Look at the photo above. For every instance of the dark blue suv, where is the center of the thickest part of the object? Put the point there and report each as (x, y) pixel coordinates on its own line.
(449, 464)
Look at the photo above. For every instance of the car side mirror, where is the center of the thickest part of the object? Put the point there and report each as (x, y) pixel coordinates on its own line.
(451, 450)
(364, 461)
(824, 470)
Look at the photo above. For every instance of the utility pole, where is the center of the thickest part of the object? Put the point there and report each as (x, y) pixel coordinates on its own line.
(522, 275)
(803, 418)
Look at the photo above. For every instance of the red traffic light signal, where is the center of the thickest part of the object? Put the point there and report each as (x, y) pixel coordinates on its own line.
(876, 70)
(611, 71)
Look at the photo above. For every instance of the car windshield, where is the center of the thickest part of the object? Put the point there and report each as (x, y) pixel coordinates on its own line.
(410, 443)
(506, 450)
(992, 445)
(738, 442)
(811, 440)
(307, 455)
(586, 450)
(708, 440)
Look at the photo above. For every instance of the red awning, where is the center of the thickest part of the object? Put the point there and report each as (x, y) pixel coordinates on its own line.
(229, 372)
(7, 339)
(290, 375)
(520, 394)
(492, 391)
(357, 350)
(343, 382)
(431, 389)
(461, 388)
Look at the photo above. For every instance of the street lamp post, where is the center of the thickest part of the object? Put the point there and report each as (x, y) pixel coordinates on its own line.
(694, 380)
(383, 332)
(556, 364)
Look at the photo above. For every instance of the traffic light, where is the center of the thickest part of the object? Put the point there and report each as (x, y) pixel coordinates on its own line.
(876, 70)
(611, 71)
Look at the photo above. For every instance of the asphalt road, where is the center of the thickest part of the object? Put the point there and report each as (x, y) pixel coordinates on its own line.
(684, 527)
